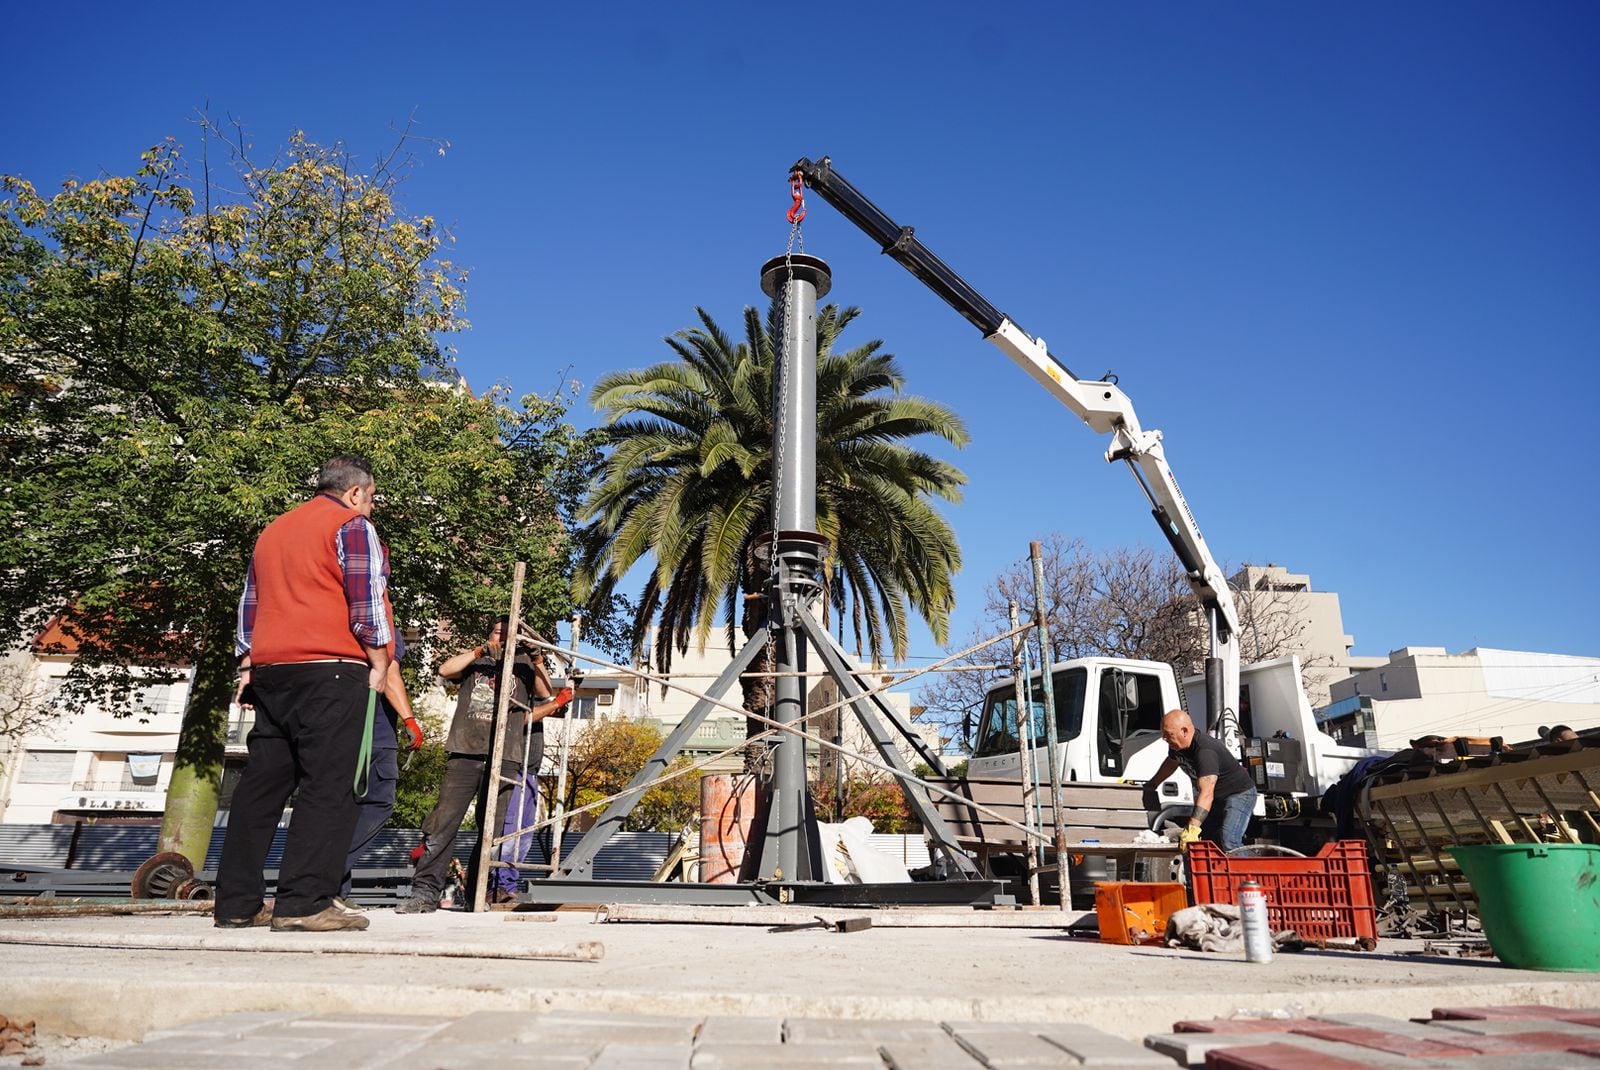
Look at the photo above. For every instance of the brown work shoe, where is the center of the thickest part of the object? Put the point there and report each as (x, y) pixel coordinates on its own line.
(330, 919)
(259, 918)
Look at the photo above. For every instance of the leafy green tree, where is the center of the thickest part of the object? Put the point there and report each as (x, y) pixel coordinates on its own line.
(175, 361)
(688, 481)
(604, 758)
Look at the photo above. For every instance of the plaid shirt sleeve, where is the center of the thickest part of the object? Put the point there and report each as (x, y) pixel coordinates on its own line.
(247, 613)
(365, 579)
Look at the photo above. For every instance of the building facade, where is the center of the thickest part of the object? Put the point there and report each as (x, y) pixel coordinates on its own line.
(104, 763)
(1422, 690)
(1281, 614)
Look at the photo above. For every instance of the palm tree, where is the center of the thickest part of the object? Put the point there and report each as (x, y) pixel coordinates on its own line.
(688, 480)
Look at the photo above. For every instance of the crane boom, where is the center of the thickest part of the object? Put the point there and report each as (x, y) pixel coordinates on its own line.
(1100, 403)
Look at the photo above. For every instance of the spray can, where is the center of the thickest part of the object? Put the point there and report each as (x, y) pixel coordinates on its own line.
(1253, 919)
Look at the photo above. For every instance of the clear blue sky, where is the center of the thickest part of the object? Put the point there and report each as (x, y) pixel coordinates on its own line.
(1346, 256)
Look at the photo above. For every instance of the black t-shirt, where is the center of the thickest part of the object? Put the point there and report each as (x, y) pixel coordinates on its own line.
(1207, 756)
(473, 724)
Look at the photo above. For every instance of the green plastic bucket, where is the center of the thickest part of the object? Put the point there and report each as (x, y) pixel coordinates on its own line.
(1539, 902)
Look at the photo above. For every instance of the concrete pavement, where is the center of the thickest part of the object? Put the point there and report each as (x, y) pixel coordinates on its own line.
(123, 977)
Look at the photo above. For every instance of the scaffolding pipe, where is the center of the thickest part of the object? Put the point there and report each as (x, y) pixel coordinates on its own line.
(1047, 684)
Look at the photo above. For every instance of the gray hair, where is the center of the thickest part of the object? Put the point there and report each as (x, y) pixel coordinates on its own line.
(339, 474)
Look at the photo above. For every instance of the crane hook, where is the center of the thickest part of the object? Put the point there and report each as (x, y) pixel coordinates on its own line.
(797, 187)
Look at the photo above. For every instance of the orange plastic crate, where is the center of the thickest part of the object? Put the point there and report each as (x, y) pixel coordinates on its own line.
(1136, 912)
(1325, 897)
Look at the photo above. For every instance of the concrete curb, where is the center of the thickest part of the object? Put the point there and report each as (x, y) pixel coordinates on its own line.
(127, 1010)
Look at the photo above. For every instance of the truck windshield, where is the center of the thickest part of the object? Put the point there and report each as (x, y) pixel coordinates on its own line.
(998, 732)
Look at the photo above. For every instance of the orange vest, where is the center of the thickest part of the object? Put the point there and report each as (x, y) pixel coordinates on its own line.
(301, 611)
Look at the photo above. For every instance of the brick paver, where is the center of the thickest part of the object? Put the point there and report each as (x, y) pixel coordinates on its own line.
(1490, 1038)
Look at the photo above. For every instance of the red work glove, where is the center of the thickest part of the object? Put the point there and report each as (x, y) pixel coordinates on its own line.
(415, 730)
(562, 697)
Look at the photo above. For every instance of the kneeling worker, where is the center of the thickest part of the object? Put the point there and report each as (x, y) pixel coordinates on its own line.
(1224, 796)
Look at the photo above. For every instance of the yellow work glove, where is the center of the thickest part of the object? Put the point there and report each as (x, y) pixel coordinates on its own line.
(1189, 835)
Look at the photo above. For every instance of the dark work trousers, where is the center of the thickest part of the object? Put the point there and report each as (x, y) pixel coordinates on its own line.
(309, 721)
(462, 786)
(378, 803)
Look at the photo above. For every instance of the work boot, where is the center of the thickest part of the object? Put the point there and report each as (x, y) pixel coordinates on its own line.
(330, 919)
(417, 904)
(259, 918)
(345, 905)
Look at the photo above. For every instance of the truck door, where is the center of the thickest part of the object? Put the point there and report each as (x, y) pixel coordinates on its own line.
(1129, 719)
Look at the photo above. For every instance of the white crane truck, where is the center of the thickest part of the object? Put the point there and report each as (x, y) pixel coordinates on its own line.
(1108, 710)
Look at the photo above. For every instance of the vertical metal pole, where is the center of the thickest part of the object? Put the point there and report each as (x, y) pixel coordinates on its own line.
(491, 772)
(1024, 747)
(1048, 686)
(796, 281)
(567, 728)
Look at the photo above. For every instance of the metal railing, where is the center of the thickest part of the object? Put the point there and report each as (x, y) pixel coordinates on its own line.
(112, 785)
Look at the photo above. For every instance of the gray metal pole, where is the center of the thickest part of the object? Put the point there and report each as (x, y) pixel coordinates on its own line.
(1048, 686)
(795, 281)
(1026, 754)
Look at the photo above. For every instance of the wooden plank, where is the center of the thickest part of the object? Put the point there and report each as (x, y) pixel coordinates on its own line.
(882, 918)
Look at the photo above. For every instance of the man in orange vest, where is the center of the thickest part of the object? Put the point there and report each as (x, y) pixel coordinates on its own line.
(313, 639)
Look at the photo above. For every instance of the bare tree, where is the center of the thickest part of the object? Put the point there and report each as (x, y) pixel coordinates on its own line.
(1126, 602)
(25, 702)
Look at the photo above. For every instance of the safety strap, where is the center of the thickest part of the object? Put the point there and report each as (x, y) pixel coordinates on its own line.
(364, 755)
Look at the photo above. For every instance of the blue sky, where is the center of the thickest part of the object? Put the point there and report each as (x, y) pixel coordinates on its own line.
(1347, 257)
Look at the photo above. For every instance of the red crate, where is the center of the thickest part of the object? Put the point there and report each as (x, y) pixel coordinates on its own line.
(1325, 897)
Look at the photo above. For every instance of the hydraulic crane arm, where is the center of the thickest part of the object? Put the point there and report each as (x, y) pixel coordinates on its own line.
(1099, 403)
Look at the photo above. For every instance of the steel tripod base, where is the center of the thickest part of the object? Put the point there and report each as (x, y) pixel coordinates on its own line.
(974, 893)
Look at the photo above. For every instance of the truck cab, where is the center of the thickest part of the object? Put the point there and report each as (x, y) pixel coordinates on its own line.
(1108, 726)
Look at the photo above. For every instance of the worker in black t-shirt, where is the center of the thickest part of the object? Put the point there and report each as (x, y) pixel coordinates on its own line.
(1224, 796)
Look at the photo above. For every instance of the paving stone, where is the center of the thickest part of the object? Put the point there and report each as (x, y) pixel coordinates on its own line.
(819, 1053)
(153, 1058)
(286, 1048)
(809, 1030)
(419, 1022)
(1095, 1047)
(1497, 1026)
(1534, 1060)
(1017, 1048)
(1277, 1055)
(191, 1041)
(571, 1049)
(491, 1027)
(1193, 1049)
(942, 1053)
(1516, 1010)
(1528, 1039)
(1376, 1021)
(607, 1019)
(229, 1025)
(485, 1058)
(1381, 1040)
(504, 1059)
(1239, 1025)
(725, 1029)
(626, 1056)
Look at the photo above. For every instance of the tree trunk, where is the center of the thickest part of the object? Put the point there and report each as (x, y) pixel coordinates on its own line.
(197, 774)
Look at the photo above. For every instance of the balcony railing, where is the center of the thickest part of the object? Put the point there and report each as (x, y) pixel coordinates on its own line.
(111, 785)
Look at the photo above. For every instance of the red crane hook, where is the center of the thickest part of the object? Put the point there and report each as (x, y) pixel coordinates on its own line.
(797, 188)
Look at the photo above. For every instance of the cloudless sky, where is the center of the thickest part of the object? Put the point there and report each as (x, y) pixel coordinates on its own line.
(1346, 256)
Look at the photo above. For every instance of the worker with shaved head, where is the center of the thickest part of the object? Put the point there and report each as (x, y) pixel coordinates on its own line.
(1224, 796)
